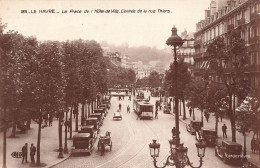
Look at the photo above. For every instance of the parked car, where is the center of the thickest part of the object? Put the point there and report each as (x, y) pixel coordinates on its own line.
(208, 135)
(100, 110)
(94, 122)
(82, 142)
(98, 116)
(117, 116)
(193, 127)
(89, 129)
(229, 152)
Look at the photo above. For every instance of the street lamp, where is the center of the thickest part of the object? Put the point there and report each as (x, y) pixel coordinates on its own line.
(175, 41)
(178, 153)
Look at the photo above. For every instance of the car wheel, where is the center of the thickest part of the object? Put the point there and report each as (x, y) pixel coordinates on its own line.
(224, 158)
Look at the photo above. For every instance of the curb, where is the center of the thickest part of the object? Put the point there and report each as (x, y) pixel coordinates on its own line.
(55, 164)
(179, 119)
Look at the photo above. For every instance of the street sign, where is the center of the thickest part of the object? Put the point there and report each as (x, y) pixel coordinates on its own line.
(17, 154)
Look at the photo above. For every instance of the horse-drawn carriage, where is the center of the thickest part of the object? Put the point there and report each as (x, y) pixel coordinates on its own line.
(104, 140)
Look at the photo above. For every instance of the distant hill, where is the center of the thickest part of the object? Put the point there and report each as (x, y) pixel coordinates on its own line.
(142, 53)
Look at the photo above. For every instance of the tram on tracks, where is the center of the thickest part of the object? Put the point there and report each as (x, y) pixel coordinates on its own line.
(143, 108)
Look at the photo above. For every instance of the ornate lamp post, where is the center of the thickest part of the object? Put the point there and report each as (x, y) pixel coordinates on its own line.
(178, 153)
(175, 41)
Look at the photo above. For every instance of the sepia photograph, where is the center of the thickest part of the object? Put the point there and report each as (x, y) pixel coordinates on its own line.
(130, 83)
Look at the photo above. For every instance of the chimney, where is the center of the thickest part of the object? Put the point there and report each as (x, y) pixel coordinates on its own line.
(207, 13)
(213, 7)
(220, 4)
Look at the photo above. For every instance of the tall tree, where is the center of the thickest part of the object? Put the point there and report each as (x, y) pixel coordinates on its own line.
(154, 79)
(228, 61)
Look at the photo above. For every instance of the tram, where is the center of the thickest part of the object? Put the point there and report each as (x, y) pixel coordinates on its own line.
(144, 108)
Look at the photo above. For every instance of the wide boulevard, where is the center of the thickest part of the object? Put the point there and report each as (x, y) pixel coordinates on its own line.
(131, 138)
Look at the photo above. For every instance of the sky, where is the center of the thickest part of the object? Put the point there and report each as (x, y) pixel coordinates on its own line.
(138, 28)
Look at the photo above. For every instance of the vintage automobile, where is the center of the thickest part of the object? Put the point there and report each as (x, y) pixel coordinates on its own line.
(82, 143)
(208, 135)
(117, 116)
(89, 129)
(250, 163)
(98, 116)
(166, 109)
(94, 122)
(100, 110)
(229, 152)
(104, 140)
(104, 107)
(193, 127)
(107, 102)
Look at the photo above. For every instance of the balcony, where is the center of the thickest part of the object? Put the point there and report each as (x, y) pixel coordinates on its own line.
(254, 40)
(230, 27)
(254, 16)
(240, 22)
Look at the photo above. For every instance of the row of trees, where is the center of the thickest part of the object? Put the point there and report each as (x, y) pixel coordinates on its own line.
(228, 64)
(47, 78)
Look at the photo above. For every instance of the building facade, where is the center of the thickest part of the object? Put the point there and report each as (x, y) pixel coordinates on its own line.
(220, 20)
(187, 50)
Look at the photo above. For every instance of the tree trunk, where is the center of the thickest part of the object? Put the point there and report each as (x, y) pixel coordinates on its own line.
(73, 105)
(38, 162)
(184, 111)
(4, 141)
(28, 124)
(77, 118)
(180, 106)
(193, 113)
(82, 113)
(232, 119)
(13, 131)
(244, 145)
(216, 125)
(202, 118)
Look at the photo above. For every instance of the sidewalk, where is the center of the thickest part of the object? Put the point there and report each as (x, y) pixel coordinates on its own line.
(211, 125)
(49, 145)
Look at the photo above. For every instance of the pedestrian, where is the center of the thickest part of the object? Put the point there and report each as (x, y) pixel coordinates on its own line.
(120, 106)
(253, 145)
(24, 152)
(138, 115)
(32, 153)
(128, 109)
(149, 98)
(67, 124)
(190, 111)
(156, 113)
(50, 120)
(123, 97)
(129, 97)
(207, 116)
(224, 130)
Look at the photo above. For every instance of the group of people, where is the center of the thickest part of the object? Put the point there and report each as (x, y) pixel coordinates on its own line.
(25, 152)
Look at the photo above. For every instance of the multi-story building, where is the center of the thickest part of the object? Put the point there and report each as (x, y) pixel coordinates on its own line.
(187, 50)
(220, 20)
